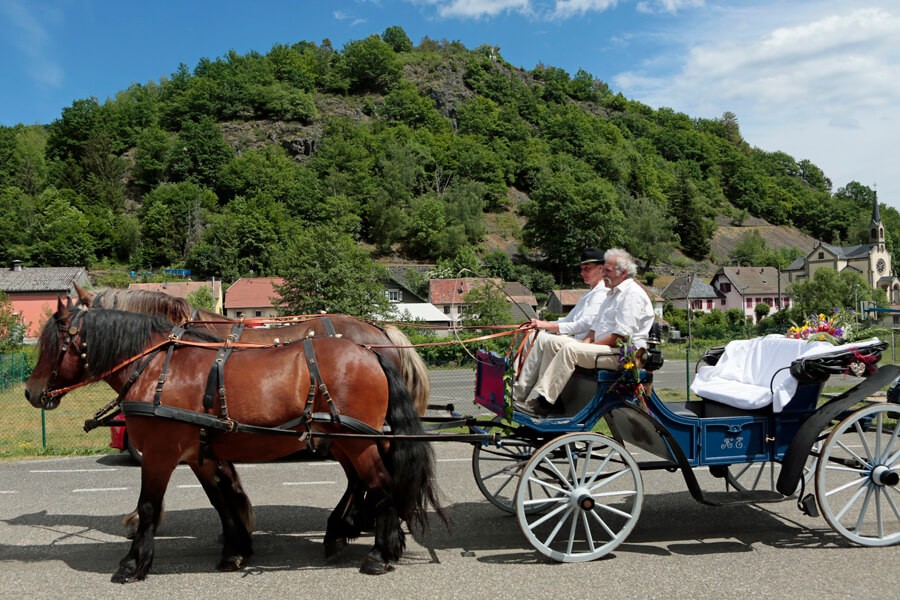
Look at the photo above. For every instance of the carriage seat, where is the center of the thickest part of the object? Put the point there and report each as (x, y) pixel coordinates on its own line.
(753, 374)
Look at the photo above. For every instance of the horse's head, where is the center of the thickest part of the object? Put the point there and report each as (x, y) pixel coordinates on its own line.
(61, 359)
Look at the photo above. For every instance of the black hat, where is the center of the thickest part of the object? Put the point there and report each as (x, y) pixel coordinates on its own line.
(591, 255)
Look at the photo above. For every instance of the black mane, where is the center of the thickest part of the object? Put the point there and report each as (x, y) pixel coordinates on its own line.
(113, 335)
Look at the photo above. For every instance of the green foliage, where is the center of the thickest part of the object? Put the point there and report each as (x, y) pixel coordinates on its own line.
(202, 298)
(370, 65)
(401, 158)
(829, 289)
(395, 37)
(12, 329)
(752, 250)
(325, 270)
(487, 306)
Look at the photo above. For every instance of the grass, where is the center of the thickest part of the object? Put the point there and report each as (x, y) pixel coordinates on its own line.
(21, 429)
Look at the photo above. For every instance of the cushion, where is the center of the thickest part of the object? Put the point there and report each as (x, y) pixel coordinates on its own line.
(753, 374)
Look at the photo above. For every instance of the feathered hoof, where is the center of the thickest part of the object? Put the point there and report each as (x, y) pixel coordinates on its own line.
(230, 563)
(372, 566)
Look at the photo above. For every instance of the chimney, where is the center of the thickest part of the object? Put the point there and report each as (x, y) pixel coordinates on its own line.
(16, 265)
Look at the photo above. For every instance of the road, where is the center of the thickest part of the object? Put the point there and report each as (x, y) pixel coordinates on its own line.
(60, 535)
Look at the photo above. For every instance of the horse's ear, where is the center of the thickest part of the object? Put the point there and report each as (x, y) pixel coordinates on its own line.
(84, 297)
(60, 307)
(69, 304)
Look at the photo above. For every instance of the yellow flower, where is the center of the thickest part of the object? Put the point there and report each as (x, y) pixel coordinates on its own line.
(629, 365)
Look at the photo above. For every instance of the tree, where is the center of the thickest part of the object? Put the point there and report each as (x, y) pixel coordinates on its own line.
(371, 65)
(12, 329)
(486, 306)
(202, 298)
(761, 310)
(201, 152)
(325, 270)
(651, 232)
(829, 289)
(395, 37)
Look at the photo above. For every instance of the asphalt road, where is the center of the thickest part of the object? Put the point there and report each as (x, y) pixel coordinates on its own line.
(60, 536)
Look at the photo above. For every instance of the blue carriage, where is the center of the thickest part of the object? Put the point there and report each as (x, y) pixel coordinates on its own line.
(574, 480)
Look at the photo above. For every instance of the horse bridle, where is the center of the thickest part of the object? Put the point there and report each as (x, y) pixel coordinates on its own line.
(71, 333)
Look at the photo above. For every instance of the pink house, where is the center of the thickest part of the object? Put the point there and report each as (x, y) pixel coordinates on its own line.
(33, 291)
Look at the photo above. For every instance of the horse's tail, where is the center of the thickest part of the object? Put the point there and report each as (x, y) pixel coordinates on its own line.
(411, 462)
(412, 367)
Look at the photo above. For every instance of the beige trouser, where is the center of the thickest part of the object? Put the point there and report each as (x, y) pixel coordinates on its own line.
(545, 347)
(578, 354)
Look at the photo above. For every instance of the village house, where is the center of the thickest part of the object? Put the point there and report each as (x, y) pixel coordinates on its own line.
(33, 291)
(252, 297)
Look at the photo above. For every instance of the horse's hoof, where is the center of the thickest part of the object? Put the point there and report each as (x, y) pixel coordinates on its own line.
(124, 576)
(230, 563)
(334, 547)
(375, 567)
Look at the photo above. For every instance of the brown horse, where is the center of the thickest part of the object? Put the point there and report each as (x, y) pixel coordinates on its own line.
(267, 387)
(352, 515)
(388, 341)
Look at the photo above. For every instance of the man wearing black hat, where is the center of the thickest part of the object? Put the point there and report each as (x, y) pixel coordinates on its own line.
(626, 315)
(573, 327)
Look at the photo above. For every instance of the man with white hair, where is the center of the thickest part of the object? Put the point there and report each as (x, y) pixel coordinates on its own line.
(574, 326)
(626, 313)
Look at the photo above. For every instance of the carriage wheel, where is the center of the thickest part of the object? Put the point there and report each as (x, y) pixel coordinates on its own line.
(858, 474)
(596, 494)
(762, 476)
(497, 468)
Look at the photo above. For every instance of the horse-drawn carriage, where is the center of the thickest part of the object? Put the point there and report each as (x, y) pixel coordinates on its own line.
(573, 480)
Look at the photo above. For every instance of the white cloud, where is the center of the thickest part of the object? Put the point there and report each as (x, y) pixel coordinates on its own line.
(821, 81)
(667, 6)
(565, 9)
(481, 8)
(32, 39)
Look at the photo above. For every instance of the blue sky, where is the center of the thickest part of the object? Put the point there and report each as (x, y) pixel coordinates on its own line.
(819, 80)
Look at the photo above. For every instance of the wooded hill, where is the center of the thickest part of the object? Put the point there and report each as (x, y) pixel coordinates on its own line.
(260, 163)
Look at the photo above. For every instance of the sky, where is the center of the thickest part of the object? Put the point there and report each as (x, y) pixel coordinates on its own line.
(819, 80)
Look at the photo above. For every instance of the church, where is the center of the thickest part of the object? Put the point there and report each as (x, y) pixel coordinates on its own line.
(872, 260)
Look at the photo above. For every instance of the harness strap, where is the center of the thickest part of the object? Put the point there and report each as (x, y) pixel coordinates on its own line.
(176, 334)
(215, 381)
(208, 421)
(317, 383)
(329, 327)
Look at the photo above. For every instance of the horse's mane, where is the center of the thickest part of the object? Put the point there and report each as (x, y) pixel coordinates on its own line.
(113, 335)
(176, 310)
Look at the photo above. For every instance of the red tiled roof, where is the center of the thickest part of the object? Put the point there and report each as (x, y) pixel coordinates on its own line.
(452, 291)
(252, 292)
(569, 297)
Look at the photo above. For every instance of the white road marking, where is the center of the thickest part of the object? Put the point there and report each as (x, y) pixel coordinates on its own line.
(454, 460)
(72, 470)
(308, 482)
(194, 485)
(92, 490)
(9, 491)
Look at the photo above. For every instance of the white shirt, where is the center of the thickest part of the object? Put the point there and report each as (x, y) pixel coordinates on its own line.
(627, 311)
(579, 320)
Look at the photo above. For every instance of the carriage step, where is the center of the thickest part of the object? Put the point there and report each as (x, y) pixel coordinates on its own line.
(736, 497)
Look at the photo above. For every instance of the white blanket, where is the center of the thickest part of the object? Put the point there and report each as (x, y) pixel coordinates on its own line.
(748, 374)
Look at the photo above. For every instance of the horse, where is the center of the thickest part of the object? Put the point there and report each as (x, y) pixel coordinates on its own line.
(271, 390)
(390, 342)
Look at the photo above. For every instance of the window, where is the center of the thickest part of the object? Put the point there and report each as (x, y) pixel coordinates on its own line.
(725, 287)
(821, 255)
(723, 301)
(768, 301)
(258, 313)
(394, 295)
(239, 314)
(446, 309)
(709, 304)
(749, 302)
